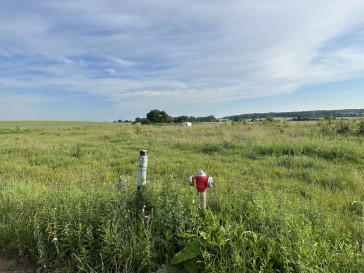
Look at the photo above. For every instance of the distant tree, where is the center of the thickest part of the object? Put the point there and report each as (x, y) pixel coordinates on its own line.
(308, 115)
(153, 115)
(210, 118)
(180, 119)
(120, 121)
(138, 120)
(165, 117)
(145, 121)
(157, 116)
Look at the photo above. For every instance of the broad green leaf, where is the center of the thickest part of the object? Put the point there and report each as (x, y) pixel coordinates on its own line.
(191, 265)
(190, 251)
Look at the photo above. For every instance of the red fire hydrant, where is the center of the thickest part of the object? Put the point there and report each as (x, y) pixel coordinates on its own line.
(202, 183)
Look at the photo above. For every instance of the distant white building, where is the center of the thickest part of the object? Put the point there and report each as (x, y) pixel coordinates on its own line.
(186, 124)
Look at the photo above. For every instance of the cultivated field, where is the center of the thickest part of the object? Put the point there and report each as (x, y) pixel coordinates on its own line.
(288, 197)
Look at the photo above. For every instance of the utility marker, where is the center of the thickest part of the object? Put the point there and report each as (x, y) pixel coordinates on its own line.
(142, 170)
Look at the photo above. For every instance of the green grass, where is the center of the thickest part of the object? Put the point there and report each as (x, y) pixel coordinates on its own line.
(288, 196)
(45, 124)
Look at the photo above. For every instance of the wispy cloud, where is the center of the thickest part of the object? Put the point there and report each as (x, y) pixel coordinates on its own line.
(174, 53)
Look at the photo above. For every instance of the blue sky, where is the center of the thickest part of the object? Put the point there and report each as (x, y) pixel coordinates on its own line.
(104, 60)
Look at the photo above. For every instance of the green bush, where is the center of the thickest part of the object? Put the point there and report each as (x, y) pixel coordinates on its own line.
(361, 127)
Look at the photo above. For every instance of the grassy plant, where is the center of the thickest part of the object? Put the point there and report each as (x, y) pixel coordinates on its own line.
(288, 197)
(361, 127)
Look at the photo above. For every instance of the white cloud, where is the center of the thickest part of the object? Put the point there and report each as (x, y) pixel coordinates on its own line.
(111, 71)
(172, 53)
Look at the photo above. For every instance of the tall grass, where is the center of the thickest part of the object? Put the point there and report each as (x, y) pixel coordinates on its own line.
(289, 197)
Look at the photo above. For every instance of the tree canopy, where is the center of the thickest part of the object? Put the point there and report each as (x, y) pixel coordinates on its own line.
(157, 116)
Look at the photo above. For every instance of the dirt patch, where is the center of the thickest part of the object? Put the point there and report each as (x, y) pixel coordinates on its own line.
(12, 263)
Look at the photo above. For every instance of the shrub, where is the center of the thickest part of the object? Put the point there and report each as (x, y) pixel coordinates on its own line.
(342, 127)
(361, 127)
(146, 121)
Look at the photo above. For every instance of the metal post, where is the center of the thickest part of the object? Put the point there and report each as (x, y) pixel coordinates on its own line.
(203, 200)
(142, 170)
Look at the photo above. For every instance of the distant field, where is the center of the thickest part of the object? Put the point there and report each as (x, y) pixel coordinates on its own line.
(45, 124)
(288, 196)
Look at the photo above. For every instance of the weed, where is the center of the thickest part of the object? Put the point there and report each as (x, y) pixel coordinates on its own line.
(342, 127)
(138, 129)
(361, 127)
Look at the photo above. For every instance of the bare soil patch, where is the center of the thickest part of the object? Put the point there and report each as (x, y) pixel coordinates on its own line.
(12, 263)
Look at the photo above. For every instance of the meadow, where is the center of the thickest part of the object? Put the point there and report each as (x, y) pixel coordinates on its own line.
(288, 196)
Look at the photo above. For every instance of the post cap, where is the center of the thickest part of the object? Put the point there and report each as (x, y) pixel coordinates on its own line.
(200, 173)
(143, 152)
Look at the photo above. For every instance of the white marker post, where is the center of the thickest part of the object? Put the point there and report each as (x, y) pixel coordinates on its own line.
(142, 170)
(203, 200)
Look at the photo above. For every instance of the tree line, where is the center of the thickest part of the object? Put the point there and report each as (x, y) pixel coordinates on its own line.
(158, 116)
(301, 115)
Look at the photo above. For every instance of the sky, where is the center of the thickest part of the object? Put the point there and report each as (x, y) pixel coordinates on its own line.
(104, 60)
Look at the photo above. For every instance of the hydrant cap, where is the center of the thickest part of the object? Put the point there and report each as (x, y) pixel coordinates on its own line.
(200, 173)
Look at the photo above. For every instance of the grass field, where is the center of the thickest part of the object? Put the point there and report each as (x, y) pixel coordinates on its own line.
(44, 124)
(288, 196)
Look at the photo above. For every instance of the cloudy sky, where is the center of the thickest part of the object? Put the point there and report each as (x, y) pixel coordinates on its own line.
(104, 60)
